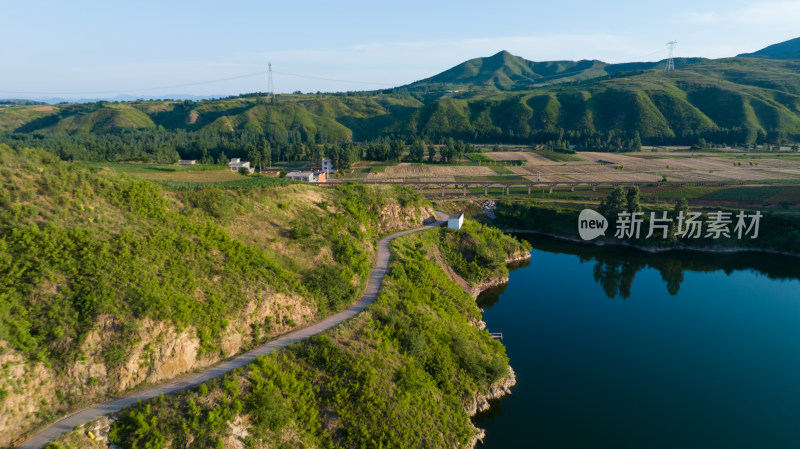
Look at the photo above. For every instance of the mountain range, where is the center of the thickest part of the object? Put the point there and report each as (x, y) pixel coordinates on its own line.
(502, 97)
(504, 71)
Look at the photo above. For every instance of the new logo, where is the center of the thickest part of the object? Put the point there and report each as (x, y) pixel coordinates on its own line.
(591, 224)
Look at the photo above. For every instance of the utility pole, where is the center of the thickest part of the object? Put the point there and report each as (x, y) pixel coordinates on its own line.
(670, 61)
(270, 85)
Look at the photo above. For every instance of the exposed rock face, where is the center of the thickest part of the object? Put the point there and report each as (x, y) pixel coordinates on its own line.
(24, 386)
(486, 285)
(501, 388)
(518, 257)
(395, 217)
(159, 352)
(480, 402)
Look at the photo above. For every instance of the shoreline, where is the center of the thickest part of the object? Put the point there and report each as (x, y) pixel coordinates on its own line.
(651, 249)
(501, 387)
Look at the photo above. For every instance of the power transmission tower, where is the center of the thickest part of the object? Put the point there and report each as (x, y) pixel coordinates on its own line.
(270, 85)
(671, 62)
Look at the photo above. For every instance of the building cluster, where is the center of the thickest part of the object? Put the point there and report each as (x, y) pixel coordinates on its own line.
(315, 174)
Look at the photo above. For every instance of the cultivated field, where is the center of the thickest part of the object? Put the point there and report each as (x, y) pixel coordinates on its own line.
(433, 171)
(192, 176)
(641, 167)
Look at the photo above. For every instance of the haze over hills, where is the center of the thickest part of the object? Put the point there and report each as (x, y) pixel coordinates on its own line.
(502, 98)
(123, 97)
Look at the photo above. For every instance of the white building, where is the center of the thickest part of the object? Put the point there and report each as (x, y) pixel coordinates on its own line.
(306, 176)
(187, 162)
(327, 166)
(455, 221)
(236, 163)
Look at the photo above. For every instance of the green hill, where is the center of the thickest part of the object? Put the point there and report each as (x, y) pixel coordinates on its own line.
(784, 50)
(108, 282)
(502, 98)
(734, 100)
(504, 71)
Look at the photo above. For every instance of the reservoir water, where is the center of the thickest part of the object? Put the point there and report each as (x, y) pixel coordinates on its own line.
(617, 348)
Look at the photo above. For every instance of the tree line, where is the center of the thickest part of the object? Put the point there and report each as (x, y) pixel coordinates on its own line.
(211, 147)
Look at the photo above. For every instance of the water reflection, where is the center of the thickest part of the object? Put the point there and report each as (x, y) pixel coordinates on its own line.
(615, 268)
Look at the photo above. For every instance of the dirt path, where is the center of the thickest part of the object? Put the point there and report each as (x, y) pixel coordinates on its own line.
(374, 283)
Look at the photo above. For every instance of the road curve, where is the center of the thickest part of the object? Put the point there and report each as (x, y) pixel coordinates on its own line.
(374, 283)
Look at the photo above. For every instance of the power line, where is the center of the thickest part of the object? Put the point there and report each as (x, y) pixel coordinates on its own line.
(333, 79)
(270, 86)
(174, 86)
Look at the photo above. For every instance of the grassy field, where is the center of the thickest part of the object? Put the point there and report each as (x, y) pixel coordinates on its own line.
(475, 157)
(136, 168)
(558, 157)
(187, 177)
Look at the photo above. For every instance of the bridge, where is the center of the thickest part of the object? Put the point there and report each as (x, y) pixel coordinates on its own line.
(506, 186)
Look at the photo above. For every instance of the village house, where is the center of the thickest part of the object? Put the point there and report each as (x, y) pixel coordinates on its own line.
(307, 176)
(236, 163)
(327, 166)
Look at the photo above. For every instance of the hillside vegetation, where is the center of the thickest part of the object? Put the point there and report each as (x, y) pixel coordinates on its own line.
(108, 282)
(404, 373)
(502, 98)
(784, 50)
(504, 71)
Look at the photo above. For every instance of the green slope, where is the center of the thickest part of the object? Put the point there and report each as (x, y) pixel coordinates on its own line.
(733, 100)
(784, 50)
(504, 71)
(107, 281)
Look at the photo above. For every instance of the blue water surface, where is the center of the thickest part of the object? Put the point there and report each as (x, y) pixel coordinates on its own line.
(619, 349)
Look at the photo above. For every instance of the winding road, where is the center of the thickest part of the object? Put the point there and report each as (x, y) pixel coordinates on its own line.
(374, 283)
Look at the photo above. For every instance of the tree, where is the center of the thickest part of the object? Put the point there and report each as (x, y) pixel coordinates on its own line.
(254, 155)
(633, 200)
(396, 150)
(222, 159)
(431, 152)
(266, 152)
(417, 151)
(682, 206)
(614, 203)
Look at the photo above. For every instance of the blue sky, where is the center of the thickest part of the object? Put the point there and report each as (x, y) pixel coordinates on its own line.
(88, 48)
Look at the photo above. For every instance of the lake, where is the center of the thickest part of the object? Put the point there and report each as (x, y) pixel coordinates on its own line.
(618, 348)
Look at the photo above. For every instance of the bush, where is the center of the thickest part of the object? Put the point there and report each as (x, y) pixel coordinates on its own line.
(211, 201)
(266, 407)
(334, 284)
(300, 232)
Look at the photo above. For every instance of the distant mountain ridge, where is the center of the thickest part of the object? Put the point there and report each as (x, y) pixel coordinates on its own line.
(504, 71)
(18, 102)
(784, 50)
(502, 98)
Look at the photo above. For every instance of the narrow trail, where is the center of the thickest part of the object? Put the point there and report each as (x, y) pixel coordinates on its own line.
(374, 283)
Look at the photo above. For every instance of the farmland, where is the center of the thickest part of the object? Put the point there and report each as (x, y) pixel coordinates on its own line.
(592, 167)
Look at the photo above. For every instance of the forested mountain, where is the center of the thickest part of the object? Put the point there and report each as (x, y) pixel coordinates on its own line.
(733, 100)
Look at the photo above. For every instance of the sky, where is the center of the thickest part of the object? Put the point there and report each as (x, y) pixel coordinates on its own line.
(94, 49)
